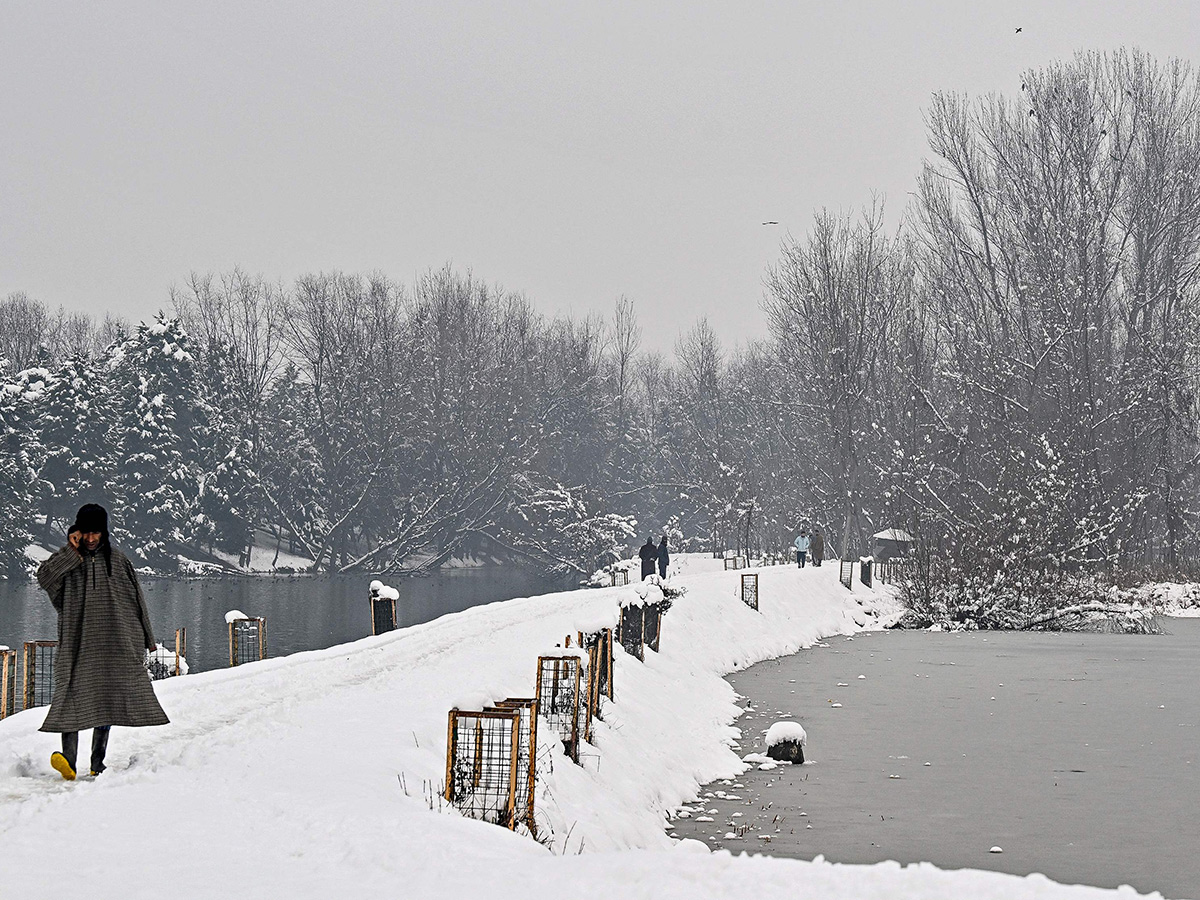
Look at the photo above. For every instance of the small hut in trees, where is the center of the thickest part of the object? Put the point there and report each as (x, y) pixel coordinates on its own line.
(890, 543)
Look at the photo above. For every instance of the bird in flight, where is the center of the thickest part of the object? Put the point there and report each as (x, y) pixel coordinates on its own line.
(770, 223)
(1018, 31)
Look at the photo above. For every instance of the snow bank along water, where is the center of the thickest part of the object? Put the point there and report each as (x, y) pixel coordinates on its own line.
(308, 775)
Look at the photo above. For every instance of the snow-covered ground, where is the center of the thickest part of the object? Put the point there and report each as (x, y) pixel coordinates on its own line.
(1169, 598)
(312, 775)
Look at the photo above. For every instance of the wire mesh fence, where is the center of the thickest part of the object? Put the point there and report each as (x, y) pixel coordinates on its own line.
(167, 663)
(750, 590)
(8, 683)
(735, 562)
(483, 763)
(891, 571)
(383, 615)
(247, 640)
(526, 759)
(630, 631)
(558, 689)
(620, 577)
(596, 678)
(39, 672)
(599, 647)
(846, 573)
(652, 625)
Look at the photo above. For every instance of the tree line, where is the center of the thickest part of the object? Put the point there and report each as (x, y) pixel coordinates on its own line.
(1010, 375)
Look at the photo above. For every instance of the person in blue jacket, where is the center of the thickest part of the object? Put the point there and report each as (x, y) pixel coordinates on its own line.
(801, 546)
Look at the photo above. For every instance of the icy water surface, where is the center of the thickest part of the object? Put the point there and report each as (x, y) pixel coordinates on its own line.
(1076, 754)
(303, 613)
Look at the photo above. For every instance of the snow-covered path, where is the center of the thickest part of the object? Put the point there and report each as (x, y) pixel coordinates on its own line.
(306, 776)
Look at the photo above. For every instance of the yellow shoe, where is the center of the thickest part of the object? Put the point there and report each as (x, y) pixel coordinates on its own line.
(59, 763)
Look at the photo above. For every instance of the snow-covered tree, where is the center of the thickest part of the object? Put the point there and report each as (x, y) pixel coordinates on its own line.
(73, 423)
(21, 456)
(152, 433)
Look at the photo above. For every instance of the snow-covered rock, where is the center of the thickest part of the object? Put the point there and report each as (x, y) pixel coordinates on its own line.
(785, 742)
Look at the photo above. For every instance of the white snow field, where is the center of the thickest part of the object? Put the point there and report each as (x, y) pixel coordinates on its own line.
(308, 776)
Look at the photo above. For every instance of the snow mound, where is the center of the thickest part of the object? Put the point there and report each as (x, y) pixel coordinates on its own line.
(234, 614)
(786, 731)
(384, 591)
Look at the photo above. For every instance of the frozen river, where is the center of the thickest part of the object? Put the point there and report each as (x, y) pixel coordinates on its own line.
(1076, 754)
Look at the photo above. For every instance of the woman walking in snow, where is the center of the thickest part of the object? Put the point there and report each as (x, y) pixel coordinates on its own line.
(100, 679)
(664, 557)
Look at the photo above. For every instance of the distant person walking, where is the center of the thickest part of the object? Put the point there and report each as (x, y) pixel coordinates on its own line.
(100, 679)
(801, 545)
(664, 557)
(649, 556)
(817, 547)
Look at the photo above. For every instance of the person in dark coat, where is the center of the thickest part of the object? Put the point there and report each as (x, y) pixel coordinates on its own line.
(817, 547)
(664, 557)
(649, 556)
(100, 679)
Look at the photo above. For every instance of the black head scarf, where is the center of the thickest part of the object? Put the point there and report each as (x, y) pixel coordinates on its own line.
(92, 518)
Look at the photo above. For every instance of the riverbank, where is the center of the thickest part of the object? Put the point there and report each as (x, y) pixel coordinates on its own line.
(311, 774)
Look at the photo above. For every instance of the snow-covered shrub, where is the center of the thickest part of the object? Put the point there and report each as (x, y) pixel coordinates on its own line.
(554, 526)
(1025, 556)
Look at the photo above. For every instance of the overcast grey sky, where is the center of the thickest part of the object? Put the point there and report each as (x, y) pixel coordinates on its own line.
(571, 151)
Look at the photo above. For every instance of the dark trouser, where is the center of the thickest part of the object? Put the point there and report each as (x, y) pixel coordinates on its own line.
(817, 559)
(662, 569)
(70, 744)
(801, 555)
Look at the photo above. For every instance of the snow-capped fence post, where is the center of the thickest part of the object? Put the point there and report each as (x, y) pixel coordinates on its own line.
(526, 759)
(846, 573)
(39, 672)
(558, 680)
(247, 639)
(750, 590)
(383, 607)
(631, 631)
(864, 569)
(482, 753)
(8, 682)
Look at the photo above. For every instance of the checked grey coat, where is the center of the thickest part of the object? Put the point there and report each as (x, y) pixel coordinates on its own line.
(103, 628)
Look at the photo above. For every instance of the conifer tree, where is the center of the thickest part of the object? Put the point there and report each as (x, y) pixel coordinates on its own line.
(153, 434)
(21, 455)
(73, 422)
